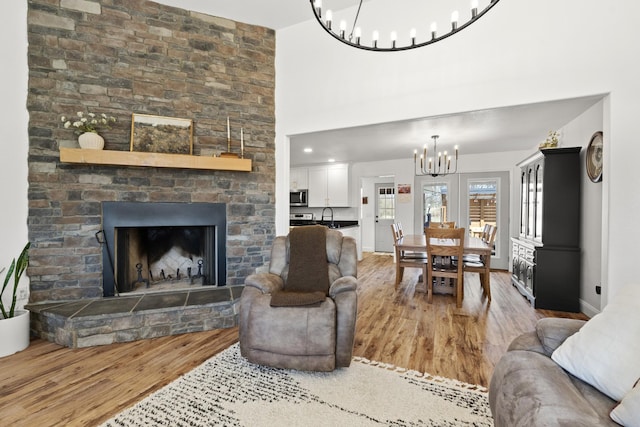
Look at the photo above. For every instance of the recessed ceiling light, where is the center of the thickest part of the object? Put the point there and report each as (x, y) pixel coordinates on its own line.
(331, 160)
(308, 150)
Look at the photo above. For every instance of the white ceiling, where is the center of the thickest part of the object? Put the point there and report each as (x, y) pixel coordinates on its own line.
(487, 131)
(504, 129)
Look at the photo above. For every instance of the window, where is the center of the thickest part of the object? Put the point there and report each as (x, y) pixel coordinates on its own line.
(386, 203)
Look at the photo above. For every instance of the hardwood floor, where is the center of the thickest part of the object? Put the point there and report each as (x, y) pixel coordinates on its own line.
(50, 385)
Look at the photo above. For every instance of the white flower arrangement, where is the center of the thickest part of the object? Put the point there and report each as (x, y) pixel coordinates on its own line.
(90, 122)
(552, 140)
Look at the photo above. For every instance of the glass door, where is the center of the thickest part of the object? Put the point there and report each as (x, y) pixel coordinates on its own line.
(435, 203)
(439, 200)
(385, 216)
(484, 199)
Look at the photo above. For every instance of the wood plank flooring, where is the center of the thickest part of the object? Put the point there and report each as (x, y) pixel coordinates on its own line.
(50, 385)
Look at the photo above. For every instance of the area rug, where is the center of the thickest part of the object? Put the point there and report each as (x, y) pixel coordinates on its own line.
(227, 390)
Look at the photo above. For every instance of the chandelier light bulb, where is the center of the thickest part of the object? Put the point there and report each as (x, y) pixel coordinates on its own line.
(412, 35)
(358, 34)
(343, 27)
(474, 8)
(434, 30)
(329, 17)
(318, 5)
(374, 37)
(393, 37)
(454, 20)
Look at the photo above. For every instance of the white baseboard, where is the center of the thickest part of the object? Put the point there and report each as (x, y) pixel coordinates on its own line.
(588, 309)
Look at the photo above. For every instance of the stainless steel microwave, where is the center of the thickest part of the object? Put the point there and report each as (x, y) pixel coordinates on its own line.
(298, 198)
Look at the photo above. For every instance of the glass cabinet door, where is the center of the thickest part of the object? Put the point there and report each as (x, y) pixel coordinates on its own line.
(523, 202)
(531, 194)
(538, 220)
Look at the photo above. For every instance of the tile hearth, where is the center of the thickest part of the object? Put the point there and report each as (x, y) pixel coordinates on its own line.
(91, 322)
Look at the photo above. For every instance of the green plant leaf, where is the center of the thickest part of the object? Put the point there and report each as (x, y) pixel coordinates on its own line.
(17, 268)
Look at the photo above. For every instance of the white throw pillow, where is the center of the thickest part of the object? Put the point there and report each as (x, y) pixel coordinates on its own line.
(604, 353)
(627, 412)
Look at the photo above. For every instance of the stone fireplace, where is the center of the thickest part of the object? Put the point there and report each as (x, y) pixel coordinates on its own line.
(143, 57)
(162, 246)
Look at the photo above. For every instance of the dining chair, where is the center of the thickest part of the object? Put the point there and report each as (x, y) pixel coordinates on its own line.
(485, 232)
(489, 237)
(445, 224)
(474, 263)
(443, 244)
(406, 259)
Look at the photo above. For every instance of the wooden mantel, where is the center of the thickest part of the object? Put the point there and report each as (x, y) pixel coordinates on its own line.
(158, 160)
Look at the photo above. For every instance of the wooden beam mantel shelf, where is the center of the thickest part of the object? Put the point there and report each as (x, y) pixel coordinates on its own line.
(158, 160)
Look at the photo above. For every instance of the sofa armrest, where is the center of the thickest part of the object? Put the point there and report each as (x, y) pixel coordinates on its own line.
(267, 283)
(554, 331)
(343, 284)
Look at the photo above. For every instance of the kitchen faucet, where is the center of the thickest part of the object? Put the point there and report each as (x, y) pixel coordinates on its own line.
(322, 219)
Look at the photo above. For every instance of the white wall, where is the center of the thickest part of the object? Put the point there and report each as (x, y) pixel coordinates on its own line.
(578, 133)
(517, 54)
(402, 172)
(14, 140)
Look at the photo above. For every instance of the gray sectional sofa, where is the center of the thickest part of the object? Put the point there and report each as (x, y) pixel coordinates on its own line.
(529, 389)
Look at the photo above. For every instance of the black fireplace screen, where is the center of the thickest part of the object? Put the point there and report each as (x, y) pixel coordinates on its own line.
(162, 246)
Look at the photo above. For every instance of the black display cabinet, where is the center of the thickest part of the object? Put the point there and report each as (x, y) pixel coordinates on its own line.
(546, 254)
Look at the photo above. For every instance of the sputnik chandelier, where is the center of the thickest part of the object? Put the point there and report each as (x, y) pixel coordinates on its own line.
(438, 165)
(353, 38)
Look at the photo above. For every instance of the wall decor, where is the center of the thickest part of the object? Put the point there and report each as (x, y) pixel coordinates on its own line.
(594, 157)
(158, 134)
(404, 193)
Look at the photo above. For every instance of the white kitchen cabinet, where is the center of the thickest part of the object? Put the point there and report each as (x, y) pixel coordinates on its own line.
(329, 186)
(298, 179)
(355, 233)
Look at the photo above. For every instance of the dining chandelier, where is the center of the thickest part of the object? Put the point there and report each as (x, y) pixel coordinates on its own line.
(354, 37)
(438, 165)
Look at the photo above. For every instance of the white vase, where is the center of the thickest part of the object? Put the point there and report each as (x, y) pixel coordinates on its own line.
(91, 141)
(14, 333)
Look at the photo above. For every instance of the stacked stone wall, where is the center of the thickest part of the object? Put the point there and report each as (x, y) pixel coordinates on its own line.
(120, 57)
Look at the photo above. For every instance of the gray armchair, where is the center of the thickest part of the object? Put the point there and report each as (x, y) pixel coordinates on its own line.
(312, 337)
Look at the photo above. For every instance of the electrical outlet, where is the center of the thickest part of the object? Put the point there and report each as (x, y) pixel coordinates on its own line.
(598, 289)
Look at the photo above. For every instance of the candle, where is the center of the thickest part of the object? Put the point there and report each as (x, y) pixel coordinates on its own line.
(228, 135)
(242, 142)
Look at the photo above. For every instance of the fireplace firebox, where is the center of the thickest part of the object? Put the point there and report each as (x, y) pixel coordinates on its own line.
(150, 247)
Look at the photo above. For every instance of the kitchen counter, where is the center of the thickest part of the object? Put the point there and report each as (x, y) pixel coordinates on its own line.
(346, 227)
(336, 224)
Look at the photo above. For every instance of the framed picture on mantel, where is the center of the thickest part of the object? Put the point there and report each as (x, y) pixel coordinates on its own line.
(158, 134)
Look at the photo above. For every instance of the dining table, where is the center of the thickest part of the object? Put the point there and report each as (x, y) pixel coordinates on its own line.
(472, 245)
